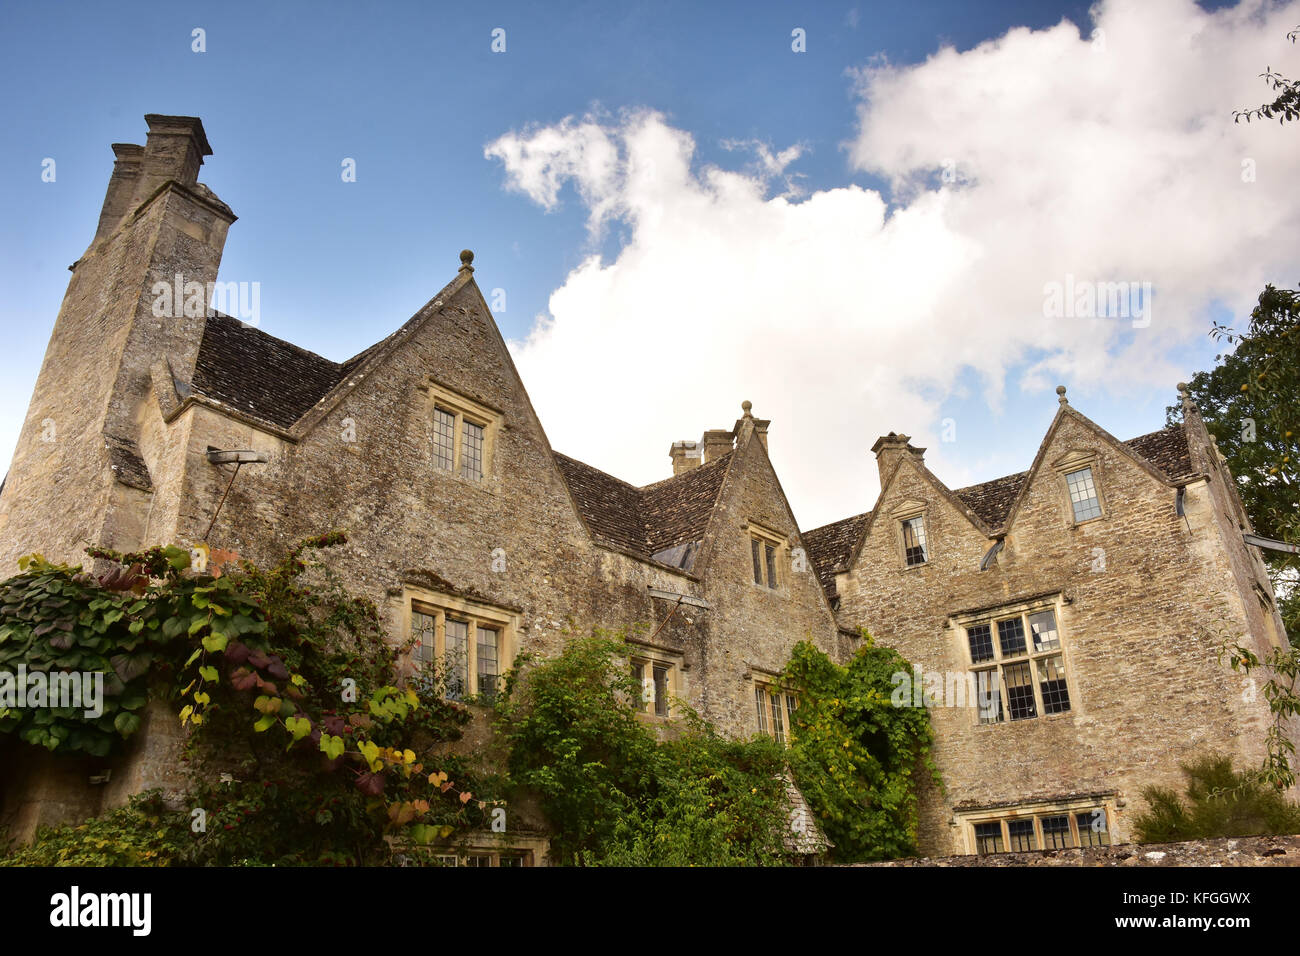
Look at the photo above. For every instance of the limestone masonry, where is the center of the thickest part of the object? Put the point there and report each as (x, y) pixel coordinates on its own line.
(1076, 607)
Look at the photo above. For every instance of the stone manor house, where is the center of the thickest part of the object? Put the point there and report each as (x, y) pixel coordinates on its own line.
(1087, 595)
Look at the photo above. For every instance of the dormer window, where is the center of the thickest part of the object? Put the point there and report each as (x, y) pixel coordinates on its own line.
(463, 433)
(1083, 495)
(915, 550)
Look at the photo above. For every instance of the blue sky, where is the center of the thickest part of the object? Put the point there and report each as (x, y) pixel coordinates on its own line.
(414, 93)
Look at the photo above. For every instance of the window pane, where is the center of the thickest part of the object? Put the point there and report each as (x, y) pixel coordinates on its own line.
(988, 696)
(646, 690)
(1092, 828)
(1043, 626)
(444, 438)
(457, 659)
(981, 643)
(1056, 832)
(778, 721)
(488, 653)
(1011, 635)
(478, 859)
(661, 690)
(1083, 494)
(770, 553)
(1020, 691)
(511, 859)
(760, 704)
(988, 838)
(1020, 835)
(914, 541)
(471, 452)
(758, 561)
(790, 706)
(423, 629)
(1051, 675)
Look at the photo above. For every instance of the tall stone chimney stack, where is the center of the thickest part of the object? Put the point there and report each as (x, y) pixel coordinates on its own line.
(121, 186)
(98, 433)
(889, 450)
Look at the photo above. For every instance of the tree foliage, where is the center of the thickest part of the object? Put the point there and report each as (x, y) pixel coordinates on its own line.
(613, 794)
(1286, 105)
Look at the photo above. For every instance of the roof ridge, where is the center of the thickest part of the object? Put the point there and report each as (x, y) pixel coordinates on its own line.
(692, 471)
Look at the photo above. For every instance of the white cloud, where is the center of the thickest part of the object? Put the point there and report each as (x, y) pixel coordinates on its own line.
(842, 318)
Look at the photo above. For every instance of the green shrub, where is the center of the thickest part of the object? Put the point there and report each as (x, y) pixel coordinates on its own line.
(1218, 802)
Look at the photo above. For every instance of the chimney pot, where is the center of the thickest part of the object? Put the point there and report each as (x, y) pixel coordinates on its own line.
(174, 151)
(685, 456)
(121, 186)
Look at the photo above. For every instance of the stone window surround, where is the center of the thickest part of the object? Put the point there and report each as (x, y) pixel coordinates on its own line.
(466, 410)
(1035, 811)
(906, 512)
(475, 614)
(530, 850)
(1077, 460)
(781, 557)
(650, 655)
(1056, 603)
(770, 683)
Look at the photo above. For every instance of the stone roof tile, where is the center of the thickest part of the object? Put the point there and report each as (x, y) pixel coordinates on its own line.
(645, 521)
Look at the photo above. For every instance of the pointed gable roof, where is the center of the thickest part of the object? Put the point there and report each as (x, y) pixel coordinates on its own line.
(645, 521)
(265, 379)
(1164, 453)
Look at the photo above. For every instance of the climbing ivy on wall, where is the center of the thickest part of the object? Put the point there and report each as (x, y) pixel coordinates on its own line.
(856, 757)
(302, 749)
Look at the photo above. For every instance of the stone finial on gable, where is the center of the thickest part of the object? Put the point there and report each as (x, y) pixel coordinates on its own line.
(748, 423)
(466, 261)
(1060, 393)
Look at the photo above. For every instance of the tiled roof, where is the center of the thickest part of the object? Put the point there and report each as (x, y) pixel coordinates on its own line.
(831, 546)
(260, 375)
(1166, 449)
(992, 500)
(645, 521)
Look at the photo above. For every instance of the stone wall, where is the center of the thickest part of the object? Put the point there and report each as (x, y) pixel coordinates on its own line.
(1228, 851)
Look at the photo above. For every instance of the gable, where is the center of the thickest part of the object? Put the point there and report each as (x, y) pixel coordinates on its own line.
(833, 547)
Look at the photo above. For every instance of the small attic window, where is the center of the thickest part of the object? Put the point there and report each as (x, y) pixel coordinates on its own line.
(915, 550)
(1083, 495)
